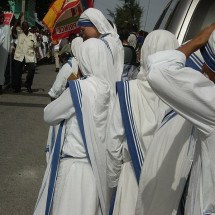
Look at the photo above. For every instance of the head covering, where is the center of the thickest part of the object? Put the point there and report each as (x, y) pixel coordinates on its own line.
(145, 110)
(76, 43)
(158, 40)
(152, 108)
(208, 52)
(90, 55)
(96, 17)
(108, 33)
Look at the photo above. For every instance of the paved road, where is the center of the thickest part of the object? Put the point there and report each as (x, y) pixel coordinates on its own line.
(23, 136)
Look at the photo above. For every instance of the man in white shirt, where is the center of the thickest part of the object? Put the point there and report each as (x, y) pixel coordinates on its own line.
(56, 56)
(24, 54)
(191, 94)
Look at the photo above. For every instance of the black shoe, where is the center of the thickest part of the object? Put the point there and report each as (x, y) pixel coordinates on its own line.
(17, 90)
(57, 70)
(29, 89)
(0, 89)
(7, 86)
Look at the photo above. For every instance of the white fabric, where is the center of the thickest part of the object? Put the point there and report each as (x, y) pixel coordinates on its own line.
(40, 206)
(91, 66)
(104, 27)
(132, 40)
(57, 46)
(5, 39)
(62, 77)
(154, 42)
(76, 43)
(60, 84)
(97, 97)
(148, 111)
(166, 167)
(191, 95)
(73, 194)
(25, 46)
(2, 36)
(44, 42)
(96, 115)
(126, 191)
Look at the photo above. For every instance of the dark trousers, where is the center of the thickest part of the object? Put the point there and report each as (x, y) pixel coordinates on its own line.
(17, 74)
(7, 73)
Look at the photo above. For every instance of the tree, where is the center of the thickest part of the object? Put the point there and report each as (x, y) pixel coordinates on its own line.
(42, 8)
(128, 15)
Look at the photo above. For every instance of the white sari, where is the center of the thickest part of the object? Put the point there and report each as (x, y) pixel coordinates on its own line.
(134, 120)
(79, 186)
(195, 102)
(71, 67)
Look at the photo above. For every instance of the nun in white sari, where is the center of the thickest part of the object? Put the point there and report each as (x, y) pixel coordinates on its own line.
(94, 18)
(75, 178)
(137, 114)
(195, 101)
(69, 69)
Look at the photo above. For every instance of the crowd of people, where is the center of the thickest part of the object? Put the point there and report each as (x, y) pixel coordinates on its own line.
(132, 123)
(22, 49)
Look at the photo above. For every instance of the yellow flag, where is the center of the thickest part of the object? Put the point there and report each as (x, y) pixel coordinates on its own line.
(50, 17)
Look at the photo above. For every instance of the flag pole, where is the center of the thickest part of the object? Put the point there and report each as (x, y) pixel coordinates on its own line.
(23, 10)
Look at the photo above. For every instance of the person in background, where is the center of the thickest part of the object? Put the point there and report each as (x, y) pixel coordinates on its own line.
(44, 44)
(8, 71)
(65, 46)
(69, 69)
(132, 39)
(5, 40)
(24, 54)
(56, 56)
(130, 66)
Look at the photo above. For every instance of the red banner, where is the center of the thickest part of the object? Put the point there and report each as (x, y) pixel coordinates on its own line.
(67, 18)
(7, 18)
(51, 16)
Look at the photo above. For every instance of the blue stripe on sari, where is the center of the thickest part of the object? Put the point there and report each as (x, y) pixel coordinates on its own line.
(54, 169)
(52, 139)
(134, 146)
(76, 95)
(194, 62)
(112, 202)
(171, 114)
(208, 56)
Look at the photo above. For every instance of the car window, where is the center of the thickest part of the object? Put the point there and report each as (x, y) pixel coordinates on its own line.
(204, 15)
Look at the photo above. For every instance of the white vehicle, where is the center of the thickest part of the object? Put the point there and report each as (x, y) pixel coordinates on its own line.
(185, 18)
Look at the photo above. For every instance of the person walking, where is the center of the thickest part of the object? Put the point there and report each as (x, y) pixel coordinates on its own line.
(24, 54)
(135, 118)
(80, 180)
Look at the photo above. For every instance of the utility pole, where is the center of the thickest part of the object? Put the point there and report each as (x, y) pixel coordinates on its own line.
(23, 10)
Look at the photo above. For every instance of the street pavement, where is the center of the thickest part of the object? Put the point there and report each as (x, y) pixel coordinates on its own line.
(23, 136)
